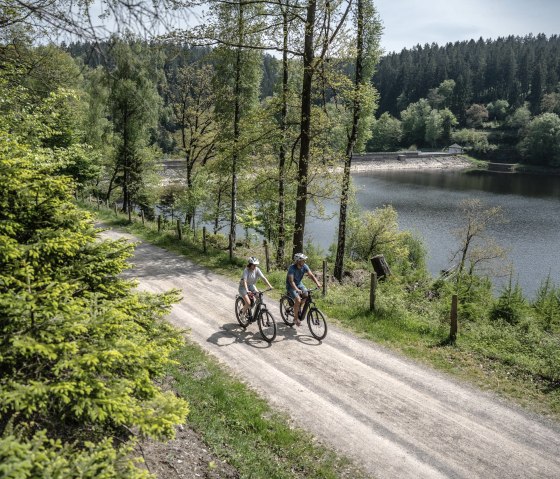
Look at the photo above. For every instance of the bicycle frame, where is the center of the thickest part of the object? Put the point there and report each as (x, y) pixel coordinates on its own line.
(308, 302)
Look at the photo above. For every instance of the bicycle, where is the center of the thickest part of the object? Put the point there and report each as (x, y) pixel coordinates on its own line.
(257, 312)
(315, 319)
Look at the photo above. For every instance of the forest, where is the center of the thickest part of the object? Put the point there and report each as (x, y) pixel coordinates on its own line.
(263, 139)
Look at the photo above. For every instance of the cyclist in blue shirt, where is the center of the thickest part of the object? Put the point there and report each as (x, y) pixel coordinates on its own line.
(294, 285)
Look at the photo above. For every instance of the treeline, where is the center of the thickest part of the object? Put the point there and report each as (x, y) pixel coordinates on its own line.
(516, 69)
(499, 99)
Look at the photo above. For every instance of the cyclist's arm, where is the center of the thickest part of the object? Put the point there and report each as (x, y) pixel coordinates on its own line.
(292, 282)
(315, 280)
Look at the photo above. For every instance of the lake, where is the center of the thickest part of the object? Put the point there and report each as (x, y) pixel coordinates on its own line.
(428, 204)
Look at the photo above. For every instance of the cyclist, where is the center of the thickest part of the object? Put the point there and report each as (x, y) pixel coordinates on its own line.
(250, 276)
(294, 285)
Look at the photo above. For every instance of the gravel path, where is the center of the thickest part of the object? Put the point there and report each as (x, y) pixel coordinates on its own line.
(395, 418)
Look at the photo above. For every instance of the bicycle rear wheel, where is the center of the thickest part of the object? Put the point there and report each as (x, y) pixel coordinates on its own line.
(267, 326)
(317, 324)
(287, 310)
(241, 318)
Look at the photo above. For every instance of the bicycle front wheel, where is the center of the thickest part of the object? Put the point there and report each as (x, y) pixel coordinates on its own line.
(267, 326)
(241, 318)
(317, 324)
(287, 310)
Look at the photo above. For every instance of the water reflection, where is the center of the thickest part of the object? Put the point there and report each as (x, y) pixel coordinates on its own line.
(428, 204)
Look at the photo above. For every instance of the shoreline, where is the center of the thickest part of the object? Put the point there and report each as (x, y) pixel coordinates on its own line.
(451, 162)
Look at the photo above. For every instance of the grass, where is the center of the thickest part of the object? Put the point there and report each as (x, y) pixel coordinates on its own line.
(494, 356)
(244, 431)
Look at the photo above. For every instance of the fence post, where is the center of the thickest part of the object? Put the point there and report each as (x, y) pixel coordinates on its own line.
(204, 239)
(372, 290)
(179, 231)
(116, 212)
(266, 255)
(158, 223)
(324, 277)
(231, 247)
(453, 328)
(142, 215)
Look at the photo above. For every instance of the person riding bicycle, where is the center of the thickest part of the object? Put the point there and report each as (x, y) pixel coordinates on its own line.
(250, 276)
(294, 285)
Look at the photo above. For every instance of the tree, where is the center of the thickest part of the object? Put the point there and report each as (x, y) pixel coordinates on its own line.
(79, 349)
(134, 103)
(367, 55)
(476, 115)
(477, 250)
(519, 118)
(550, 103)
(434, 128)
(328, 31)
(192, 99)
(498, 110)
(386, 134)
(414, 120)
(540, 142)
(448, 123)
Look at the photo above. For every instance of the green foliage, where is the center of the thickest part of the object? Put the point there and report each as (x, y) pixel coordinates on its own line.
(386, 134)
(547, 306)
(511, 305)
(414, 120)
(476, 115)
(40, 457)
(540, 142)
(519, 118)
(498, 110)
(376, 232)
(80, 349)
(476, 141)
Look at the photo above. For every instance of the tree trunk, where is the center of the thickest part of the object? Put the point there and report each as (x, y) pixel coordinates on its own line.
(305, 138)
(236, 130)
(281, 225)
(341, 244)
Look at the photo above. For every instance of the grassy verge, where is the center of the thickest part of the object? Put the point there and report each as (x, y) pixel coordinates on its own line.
(243, 430)
(495, 356)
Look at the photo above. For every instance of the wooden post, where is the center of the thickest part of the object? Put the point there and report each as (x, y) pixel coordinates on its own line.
(179, 230)
(324, 277)
(453, 328)
(142, 216)
(116, 211)
(204, 239)
(98, 202)
(266, 255)
(158, 223)
(230, 247)
(372, 290)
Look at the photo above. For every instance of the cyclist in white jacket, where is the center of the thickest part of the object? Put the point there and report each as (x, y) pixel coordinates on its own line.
(251, 275)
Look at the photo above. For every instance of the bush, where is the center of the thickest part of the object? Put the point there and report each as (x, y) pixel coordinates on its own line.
(510, 306)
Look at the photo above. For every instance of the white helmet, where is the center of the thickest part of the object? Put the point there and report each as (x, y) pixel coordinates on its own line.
(299, 256)
(253, 260)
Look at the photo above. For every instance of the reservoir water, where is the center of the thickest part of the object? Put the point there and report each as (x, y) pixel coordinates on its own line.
(427, 203)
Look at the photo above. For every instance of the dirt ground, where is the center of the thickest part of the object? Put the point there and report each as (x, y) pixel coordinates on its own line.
(395, 418)
(185, 457)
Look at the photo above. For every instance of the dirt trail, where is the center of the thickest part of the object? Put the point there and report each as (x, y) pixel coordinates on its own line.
(395, 418)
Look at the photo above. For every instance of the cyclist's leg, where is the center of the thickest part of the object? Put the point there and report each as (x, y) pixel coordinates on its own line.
(304, 295)
(297, 301)
(246, 299)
